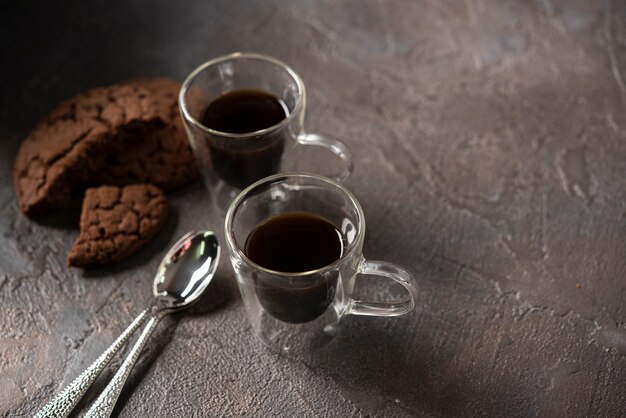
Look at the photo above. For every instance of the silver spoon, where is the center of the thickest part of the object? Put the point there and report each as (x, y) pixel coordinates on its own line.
(183, 275)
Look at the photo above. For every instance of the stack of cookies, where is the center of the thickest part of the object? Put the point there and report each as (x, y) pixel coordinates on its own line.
(121, 147)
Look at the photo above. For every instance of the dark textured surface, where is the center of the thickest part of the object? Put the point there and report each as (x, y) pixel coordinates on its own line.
(490, 139)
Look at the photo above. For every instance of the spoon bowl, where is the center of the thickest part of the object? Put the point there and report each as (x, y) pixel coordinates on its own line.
(186, 270)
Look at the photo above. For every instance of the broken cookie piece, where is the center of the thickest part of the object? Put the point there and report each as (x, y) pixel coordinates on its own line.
(115, 222)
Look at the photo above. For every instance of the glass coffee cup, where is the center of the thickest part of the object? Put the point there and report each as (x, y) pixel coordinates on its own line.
(244, 116)
(301, 309)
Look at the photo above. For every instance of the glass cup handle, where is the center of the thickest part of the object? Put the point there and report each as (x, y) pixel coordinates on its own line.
(335, 146)
(395, 308)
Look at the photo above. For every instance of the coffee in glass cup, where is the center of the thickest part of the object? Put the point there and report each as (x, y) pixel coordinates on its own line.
(296, 244)
(244, 116)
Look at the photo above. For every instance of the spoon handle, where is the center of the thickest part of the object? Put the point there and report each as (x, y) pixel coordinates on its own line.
(66, 400)
(103, 406)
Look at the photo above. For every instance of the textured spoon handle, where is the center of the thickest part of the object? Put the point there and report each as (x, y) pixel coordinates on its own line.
(64, 402)
(103, 406)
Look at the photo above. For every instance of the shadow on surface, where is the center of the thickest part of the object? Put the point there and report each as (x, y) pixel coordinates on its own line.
(365, 360)
(381, 371)
(65, 219)
(220, 293)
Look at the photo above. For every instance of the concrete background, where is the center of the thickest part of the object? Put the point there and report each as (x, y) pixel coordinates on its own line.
(490, 145)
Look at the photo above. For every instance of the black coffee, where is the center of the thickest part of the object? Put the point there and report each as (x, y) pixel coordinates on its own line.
(242, 161)
(295, 242)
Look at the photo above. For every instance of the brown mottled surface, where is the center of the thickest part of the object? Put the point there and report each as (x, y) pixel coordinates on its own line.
(490, 145)
(116, 222)
(162, 157)
(62, 150)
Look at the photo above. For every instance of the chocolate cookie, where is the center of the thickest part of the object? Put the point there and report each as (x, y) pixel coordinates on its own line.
(65, 148)
(116, 222)
(163, 157)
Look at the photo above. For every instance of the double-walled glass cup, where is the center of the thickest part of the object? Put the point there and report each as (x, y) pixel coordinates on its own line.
(229, 162)
(299, 312)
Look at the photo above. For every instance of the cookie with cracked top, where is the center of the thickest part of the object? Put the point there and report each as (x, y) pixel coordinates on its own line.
(162, 157)
(116, 222)
(63, 150)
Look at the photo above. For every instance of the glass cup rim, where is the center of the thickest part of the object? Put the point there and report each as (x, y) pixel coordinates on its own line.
(182, 103)
(232, 244)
